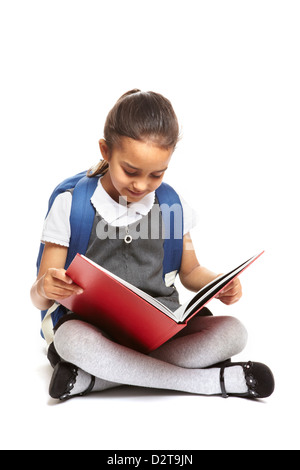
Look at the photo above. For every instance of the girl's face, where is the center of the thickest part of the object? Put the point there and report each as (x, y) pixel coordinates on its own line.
(135, 168)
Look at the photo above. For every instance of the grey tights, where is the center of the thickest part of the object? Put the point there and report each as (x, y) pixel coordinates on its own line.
(177, 365)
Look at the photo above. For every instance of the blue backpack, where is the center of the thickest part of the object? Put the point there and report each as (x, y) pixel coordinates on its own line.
(82, 219)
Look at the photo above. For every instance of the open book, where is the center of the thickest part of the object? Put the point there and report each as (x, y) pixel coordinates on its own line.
(127, 314)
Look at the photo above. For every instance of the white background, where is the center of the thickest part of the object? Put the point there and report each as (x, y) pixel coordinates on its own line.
(231, 69)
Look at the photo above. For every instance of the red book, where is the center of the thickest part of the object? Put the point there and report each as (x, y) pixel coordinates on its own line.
(128, 315)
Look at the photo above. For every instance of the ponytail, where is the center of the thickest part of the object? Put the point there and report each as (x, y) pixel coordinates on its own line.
(99, 169)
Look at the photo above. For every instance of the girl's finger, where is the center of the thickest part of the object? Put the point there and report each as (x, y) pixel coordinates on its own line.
(59, 293)
(74, 289)
(61, 275)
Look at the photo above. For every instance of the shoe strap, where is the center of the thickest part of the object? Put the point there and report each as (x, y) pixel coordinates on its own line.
(90, 387)
(222, 383)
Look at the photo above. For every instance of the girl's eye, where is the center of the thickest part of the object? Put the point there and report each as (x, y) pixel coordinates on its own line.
(157, 176)
(129, 173)
(134, 173)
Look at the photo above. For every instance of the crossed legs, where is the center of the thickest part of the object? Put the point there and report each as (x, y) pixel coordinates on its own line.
(180, 364)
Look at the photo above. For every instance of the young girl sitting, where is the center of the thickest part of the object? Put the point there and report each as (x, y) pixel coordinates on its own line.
(140, 136)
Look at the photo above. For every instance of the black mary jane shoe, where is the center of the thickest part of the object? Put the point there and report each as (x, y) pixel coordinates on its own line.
(259, 379)
(63, 381)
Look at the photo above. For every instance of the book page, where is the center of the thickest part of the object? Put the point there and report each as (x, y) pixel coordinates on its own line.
(209, 291)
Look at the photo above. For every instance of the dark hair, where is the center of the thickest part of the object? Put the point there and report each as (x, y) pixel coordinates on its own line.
(143, 116)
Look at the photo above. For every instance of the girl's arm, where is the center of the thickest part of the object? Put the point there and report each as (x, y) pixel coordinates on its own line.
(194, 276)
(52, 284)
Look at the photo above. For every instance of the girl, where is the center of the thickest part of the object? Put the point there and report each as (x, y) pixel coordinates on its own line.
(140, 136)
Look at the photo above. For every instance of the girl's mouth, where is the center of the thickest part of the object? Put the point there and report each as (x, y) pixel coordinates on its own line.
(135, 194)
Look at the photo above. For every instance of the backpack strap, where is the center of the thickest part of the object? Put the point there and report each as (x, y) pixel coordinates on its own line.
(82, 217)
(68, 183)
(172, 214)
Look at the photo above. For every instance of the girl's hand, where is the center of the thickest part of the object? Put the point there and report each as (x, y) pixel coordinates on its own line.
(56, 285)
(231, 293)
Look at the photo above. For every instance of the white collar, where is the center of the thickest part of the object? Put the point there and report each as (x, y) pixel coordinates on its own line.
(111, 210)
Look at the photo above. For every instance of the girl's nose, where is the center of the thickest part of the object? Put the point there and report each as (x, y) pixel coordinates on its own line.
(139, 186)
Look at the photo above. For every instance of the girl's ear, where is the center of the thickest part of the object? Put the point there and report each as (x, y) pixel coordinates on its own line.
(105, 152)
